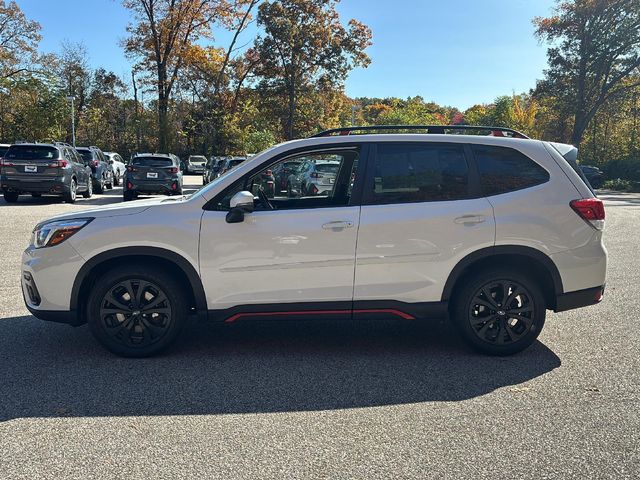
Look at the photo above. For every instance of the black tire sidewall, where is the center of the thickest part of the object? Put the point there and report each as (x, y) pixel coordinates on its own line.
(461, 304)
(171, 289)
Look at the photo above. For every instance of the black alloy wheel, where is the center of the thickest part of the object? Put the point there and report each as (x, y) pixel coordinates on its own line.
(136, 314)
(499, 312)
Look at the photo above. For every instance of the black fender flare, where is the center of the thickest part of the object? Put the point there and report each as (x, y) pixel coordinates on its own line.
(175, 258)
(520, 250)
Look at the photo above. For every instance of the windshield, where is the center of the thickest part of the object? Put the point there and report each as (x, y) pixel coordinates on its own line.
(31, 152)
(152, 162)
(198, 159)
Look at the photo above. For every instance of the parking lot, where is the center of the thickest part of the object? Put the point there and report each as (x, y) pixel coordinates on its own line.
(323, 399)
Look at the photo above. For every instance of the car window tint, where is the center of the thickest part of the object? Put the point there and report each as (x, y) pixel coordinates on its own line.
(155, 162)
(504, 170)
(87, 155)
(406, 173)
(31, 152)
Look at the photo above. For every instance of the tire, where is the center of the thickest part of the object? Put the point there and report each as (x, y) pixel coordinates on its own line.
(11, 197)
(100, 187)
(125, 321)
(479, 313)
(128, 196)
(88, 193)
(71, 195)
(110, 184)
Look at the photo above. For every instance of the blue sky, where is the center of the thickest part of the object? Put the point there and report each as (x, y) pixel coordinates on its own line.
(457, 53)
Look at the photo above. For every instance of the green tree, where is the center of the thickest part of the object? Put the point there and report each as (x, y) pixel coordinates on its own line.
(304, 43)
(19, 38)
(595, 49)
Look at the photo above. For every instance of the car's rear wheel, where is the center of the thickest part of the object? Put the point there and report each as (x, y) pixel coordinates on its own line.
(71, 195)
(100, 186)
(136, 311)
(128, 196)
(499, 311)
(88, 193)
(11, 197)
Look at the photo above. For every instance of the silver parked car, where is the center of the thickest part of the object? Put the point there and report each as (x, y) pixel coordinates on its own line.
(316, 175)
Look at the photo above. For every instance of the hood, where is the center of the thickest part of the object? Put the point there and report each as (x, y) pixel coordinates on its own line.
(114, 210)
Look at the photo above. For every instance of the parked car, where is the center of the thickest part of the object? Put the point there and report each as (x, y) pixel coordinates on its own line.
(101, 171)
(152, 173)
(195, 164)
(488, 232)
(208, 170)
(593, 174)
(282, 172)
(44, 169)
(229, 164)
(117, 166)
(314, 176)
(3, 149)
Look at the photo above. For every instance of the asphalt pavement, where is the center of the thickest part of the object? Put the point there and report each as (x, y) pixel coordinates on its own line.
(323, 399)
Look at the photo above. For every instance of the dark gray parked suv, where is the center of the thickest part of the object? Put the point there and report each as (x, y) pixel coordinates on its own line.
(44, 169)
(101, 171)
(152, 173)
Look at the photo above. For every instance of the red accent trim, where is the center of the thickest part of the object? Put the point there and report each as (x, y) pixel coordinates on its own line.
(391, 311)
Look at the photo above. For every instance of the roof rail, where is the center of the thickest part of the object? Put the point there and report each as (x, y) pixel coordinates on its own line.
(429, 129)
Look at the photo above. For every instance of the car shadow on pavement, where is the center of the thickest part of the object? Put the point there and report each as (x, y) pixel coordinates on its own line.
(51, 370)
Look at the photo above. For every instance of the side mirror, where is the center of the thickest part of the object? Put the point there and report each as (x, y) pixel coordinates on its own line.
(241, 203)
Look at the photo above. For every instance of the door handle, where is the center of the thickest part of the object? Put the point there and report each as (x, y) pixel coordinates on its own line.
(470, 219)
(337, 225)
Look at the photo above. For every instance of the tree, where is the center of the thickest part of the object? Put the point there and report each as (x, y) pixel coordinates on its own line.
(595, 48)
(19, 39)
(161, 39)
(303, 44)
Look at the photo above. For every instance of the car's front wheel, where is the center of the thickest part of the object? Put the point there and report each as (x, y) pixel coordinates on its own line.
(136, 311)
(499, 311)
(88, 193)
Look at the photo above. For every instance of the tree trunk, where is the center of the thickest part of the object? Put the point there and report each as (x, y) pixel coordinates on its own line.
(292, 109)
(163, 123)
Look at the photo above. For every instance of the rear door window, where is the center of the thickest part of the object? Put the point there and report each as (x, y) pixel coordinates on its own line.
(418, 172)
(504, 169)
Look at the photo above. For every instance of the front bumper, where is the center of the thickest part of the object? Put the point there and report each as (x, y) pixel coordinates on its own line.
(47, 276)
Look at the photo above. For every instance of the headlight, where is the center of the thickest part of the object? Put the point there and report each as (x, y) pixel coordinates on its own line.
(53, 233)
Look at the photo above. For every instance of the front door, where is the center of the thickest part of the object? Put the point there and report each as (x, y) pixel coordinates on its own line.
(293, 251)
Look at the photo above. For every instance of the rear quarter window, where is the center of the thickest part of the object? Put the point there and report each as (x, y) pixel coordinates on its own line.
(504, 169)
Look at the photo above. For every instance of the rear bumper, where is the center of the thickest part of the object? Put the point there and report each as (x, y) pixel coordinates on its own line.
(579, 298)
(166, 186)
(56, 186)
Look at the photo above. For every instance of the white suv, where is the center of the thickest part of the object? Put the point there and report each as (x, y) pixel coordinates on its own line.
(487, 230)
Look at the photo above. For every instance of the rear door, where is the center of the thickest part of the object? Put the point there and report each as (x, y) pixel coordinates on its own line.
(421, 214)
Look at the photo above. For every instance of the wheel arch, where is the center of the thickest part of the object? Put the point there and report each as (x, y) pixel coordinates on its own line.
(173, 262)
(536, 263)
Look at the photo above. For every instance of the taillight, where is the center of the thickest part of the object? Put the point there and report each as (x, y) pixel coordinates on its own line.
(59, 164)
(95, 163)
(316, 175)
(5, 163)
(591, 210)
